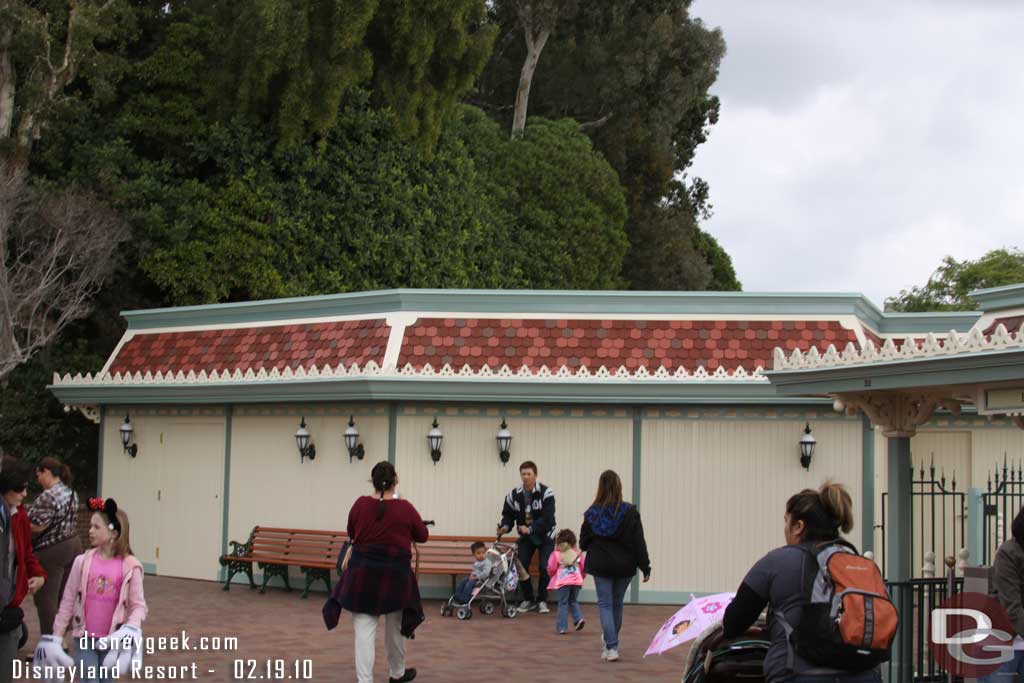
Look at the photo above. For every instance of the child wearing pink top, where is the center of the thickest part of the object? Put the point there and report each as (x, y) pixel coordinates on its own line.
(565, 567)
(103, 604)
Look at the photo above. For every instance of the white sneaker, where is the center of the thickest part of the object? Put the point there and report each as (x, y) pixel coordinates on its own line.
(604, 654)
(542, 607)
(613, 654)
(525, 606)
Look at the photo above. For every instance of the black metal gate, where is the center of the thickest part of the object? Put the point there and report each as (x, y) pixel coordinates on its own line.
(1003, 498)
(938, 519)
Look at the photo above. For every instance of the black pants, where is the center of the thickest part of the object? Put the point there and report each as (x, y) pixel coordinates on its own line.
(526, 551)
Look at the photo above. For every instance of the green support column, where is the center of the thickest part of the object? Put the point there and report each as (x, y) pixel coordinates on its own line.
(976, 526)
(99, 454)
(392, 431)
(634, 595)
(897, 552)
(228, 414)
(867, 507)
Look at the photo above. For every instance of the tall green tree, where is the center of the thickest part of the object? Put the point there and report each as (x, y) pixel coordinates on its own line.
(292, 63)
(948, 287)
(46, 48)
(636, 75)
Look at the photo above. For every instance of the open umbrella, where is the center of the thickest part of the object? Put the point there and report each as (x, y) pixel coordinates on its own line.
(690, 621)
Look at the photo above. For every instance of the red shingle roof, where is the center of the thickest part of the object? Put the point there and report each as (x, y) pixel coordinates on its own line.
(611, 343)
(279, 346)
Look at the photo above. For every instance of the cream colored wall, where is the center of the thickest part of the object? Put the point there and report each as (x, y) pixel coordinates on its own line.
(464, 492)
(172, 492)
(713, 492)
(270, 487)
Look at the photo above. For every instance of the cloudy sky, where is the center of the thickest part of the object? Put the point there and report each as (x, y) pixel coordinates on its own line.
(860, 142)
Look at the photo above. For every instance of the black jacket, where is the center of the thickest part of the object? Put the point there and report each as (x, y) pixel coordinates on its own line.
(513, 513)
(614, 544)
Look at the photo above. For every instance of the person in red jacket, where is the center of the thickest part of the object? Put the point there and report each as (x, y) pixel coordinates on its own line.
(20, 571)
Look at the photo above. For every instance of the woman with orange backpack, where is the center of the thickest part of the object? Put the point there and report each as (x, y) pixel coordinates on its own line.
(830, 616)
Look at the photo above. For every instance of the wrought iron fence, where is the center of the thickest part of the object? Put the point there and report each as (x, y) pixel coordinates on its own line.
(938, 517)
(1003, 497)
(915, 599)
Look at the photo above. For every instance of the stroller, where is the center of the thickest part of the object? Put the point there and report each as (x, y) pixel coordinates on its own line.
(498, 587)
(730, 660)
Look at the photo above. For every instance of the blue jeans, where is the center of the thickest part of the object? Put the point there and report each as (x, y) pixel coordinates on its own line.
(872, 676)
(526, 551)
(1009, 672)
(90, 658)
(610, 593)
(464, 591)
(568, 598)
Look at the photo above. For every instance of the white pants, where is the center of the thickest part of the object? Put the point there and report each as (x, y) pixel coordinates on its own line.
(366, 644)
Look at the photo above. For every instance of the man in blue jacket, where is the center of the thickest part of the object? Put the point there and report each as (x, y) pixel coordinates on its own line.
(530, 509)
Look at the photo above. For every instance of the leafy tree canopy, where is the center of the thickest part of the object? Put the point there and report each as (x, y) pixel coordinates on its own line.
(948, 287)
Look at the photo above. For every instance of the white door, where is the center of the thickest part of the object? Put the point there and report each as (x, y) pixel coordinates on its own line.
(190, 498)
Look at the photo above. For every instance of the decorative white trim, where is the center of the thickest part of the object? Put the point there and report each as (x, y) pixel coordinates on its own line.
(953, 344)
(397, 322)
(91, 412)
(504, 373)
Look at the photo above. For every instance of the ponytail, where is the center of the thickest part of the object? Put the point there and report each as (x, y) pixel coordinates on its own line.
(824, 512)
(383, 476)
(57, 469)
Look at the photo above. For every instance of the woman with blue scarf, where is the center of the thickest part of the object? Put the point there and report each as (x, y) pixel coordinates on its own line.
(613, 538)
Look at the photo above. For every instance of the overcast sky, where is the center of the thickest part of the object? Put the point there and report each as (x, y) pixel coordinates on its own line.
(860, 142)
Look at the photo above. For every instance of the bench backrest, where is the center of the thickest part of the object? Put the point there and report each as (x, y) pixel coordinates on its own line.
(299, 546)
(450, 555)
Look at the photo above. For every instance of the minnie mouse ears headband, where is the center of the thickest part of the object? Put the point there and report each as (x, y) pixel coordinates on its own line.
(109, 508)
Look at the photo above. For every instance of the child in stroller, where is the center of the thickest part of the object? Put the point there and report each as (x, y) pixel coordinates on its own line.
(714, 659)
(497, 578)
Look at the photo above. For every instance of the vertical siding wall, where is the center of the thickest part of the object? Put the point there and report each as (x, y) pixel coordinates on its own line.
(714, 493)
(271, 487)
(464, 492)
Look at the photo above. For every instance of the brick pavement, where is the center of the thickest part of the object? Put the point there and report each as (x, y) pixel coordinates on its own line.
(281, 625)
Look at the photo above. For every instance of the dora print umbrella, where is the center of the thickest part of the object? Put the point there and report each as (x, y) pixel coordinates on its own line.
(690, 621)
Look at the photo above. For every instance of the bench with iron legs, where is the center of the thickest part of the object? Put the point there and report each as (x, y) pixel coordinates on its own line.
(274, 550)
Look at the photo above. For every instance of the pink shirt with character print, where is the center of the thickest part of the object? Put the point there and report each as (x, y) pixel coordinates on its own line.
(102, 594)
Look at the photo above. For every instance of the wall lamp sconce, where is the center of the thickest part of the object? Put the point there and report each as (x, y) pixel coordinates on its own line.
(807, 443)
(306, 449)
(434, 438)
(355, 449)
(504, 439)
(127, 432)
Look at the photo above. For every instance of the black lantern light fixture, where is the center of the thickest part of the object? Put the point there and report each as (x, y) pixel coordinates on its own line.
(504, 439)
(127, 432)
(355, 449)
(306, 449)
(807, 443)
(434, 438)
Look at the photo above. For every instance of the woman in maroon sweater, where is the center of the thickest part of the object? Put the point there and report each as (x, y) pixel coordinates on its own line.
(379, 578)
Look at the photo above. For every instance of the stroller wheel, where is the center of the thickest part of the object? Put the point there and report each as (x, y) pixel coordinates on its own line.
(509, 611)
(446, 610)
(487, 608)
(464, 612)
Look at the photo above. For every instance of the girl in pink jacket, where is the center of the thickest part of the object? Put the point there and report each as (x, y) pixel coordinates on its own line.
(565, 567)
(103, 603)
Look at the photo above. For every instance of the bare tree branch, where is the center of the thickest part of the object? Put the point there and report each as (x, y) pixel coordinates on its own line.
(591, 125)
(55, 253)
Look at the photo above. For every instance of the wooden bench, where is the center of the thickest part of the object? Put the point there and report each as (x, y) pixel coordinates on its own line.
(450, 556)
(315, 553)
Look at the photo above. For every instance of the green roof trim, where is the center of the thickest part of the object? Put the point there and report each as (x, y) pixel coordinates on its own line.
(400, 389)
(553, 302)
(999, 298)
(968, 368)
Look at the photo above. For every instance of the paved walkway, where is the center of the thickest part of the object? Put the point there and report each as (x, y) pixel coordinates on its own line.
(280, 625)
